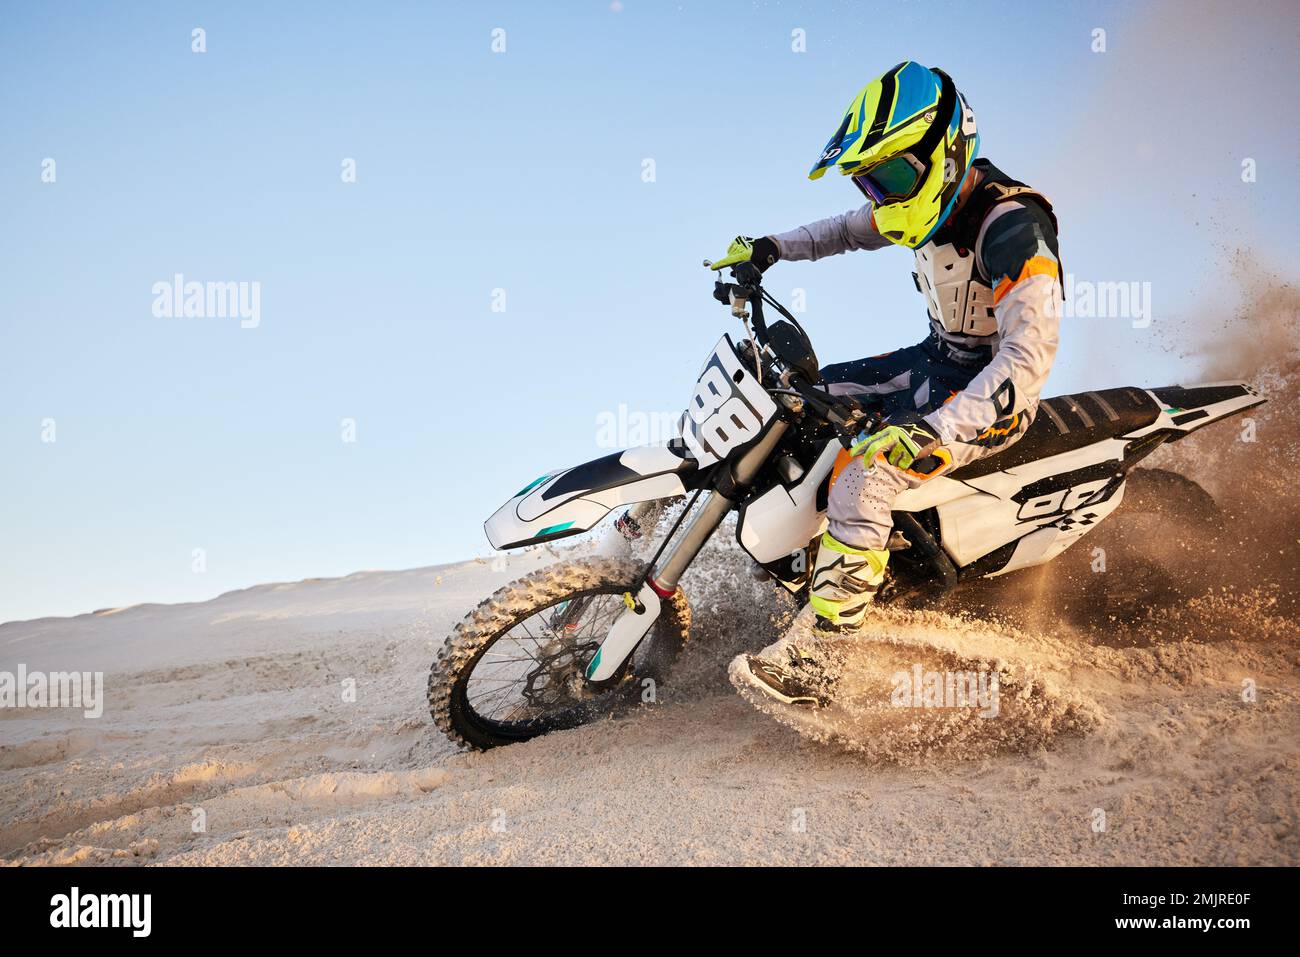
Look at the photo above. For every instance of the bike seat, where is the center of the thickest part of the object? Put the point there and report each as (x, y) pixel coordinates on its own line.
(1068, 422)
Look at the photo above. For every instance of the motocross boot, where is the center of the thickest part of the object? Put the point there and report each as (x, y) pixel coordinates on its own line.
(798, 680)
(843, 584)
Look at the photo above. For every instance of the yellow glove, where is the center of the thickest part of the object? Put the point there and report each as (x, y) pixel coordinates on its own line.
(762, 252)
(904, 440)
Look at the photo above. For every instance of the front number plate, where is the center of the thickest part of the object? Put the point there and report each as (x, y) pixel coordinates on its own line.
(729, 407)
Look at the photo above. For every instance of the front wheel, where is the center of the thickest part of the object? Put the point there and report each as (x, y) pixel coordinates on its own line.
(514, 667)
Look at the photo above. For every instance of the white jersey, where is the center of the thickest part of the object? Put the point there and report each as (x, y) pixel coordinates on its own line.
(995, 305)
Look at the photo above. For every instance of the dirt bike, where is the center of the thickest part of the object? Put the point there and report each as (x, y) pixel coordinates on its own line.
(760, 437)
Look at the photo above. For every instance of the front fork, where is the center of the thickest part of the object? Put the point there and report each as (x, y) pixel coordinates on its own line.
(661, 581)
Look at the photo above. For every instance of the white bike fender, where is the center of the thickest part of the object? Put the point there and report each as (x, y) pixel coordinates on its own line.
(627, 631)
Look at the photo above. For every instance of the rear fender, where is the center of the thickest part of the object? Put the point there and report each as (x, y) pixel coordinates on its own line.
(574, 500)
(1184, 409)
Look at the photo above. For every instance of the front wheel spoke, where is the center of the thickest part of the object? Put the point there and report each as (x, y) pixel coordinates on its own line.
(538, 675)
(508, 681)
(491, 697)
(501, 659)
(611, 611)
(515, 713)
(591, 623)
(501, 684)
(536, 641)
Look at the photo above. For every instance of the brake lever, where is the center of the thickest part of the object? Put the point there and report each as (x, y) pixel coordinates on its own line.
(734, 295)
(843, 413)
(846, 421)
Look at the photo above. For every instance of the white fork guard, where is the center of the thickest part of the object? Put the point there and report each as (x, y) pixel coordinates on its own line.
(627, 630)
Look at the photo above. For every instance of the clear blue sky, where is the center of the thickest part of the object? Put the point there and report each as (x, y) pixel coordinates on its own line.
(522, 171)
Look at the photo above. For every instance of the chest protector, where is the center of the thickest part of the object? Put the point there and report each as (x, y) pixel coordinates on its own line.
(958, 297)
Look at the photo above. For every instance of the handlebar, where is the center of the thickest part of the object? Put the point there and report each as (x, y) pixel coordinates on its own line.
(788, 342)
(747, 289)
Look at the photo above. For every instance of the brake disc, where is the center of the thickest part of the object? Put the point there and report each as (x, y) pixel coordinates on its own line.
(560, 670)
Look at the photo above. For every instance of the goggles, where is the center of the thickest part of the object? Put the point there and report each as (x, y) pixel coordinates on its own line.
(896, 179)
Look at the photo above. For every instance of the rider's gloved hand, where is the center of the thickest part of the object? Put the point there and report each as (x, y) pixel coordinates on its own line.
(904, 438)
(762, 252)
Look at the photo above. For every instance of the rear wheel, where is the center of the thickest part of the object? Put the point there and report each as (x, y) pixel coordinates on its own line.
(514, 668)
(1169, 495)
(1153, 555)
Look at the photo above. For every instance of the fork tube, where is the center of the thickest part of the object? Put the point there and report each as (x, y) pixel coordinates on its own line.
(665, 576)
(747, 465)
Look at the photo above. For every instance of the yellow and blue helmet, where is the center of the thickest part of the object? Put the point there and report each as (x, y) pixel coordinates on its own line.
(908, 140)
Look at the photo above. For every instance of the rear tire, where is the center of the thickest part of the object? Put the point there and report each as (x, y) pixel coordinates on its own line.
(1169, 495)
(514, 605)
(1164, 524)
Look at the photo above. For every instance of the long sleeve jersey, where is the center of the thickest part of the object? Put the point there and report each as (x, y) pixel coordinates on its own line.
(1017, 267)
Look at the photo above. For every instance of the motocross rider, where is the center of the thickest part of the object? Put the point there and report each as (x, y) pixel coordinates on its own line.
(988, 265)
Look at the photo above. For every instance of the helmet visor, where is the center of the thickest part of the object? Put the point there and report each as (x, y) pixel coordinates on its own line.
(895, 179)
